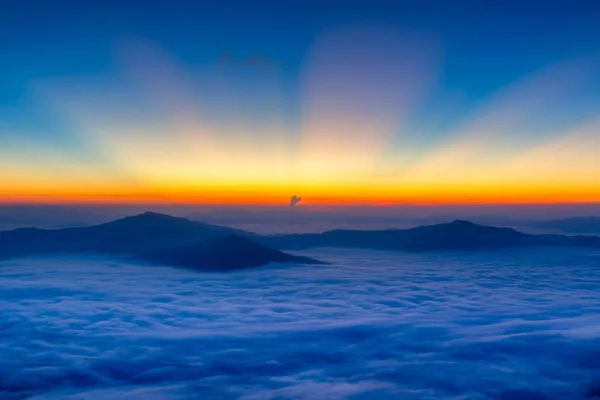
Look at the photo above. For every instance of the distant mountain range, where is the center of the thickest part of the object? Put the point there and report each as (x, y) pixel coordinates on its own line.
(457, 235)
(167, 240)
(151, 237)
(130, 235)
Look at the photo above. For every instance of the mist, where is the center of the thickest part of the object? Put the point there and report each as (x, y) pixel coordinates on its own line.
(298, 219)
(372, 325)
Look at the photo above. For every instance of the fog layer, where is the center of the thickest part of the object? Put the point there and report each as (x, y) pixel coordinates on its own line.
(373, 325)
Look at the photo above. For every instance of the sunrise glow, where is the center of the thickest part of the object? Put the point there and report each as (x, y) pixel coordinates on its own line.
(363, 129)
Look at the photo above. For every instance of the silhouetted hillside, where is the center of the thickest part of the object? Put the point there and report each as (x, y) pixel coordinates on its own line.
(457, 235)
(222, 254)
(149, 232)
(129, 235)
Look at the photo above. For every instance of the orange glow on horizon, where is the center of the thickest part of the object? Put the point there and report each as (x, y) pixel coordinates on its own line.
(316, 195)
(222, 136)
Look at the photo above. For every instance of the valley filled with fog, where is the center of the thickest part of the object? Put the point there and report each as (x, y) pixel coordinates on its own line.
(508, 325)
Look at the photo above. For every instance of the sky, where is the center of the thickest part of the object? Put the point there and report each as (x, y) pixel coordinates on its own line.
(339, 102)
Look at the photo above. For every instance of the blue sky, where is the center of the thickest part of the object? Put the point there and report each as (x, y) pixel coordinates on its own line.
(481, 49)
(486, 44)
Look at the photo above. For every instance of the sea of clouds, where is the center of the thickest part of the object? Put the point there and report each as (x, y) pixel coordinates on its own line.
(372, 325)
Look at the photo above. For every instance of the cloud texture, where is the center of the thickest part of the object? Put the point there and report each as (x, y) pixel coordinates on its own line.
(373, 325)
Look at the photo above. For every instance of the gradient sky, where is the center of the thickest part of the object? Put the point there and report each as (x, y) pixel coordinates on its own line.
(340, 102)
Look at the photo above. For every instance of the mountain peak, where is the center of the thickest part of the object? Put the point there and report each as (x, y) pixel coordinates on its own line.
(150, 217)
(462, 222)
(152, 214)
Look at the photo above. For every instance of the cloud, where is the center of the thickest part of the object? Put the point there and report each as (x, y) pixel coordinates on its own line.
(294, 200)
(252, 61)
(224, 59)
(373, 325)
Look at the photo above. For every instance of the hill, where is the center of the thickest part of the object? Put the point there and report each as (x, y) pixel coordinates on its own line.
(163, 238)
(130, 235)
(222, 254)
(457, 235)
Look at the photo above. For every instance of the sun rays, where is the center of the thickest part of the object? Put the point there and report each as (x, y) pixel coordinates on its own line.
(156, 129)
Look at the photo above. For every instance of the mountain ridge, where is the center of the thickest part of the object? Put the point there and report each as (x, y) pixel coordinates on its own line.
(225, 253)
(129, 235)
(455, 235)
(148, 232)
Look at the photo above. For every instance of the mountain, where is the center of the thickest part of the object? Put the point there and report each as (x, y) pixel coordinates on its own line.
(222, 254)
(571, 225)
(185, 241)
(457, 235)
(131, 235)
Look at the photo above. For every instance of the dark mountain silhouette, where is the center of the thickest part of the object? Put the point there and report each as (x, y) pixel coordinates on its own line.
(185, 242)
(571, 225)
(131, 235)
(457, 235)
(222, 254)
(152, 237)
